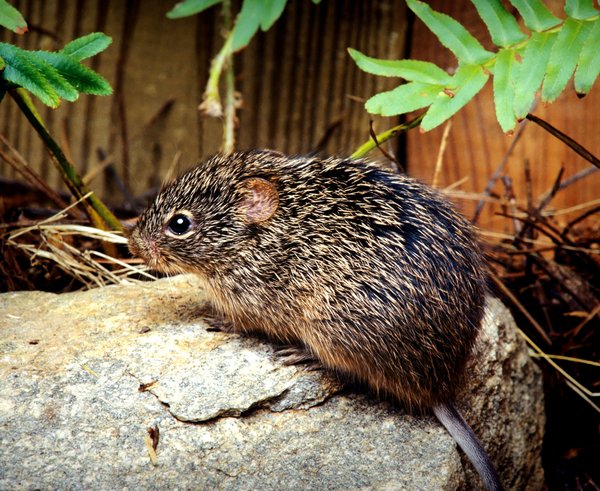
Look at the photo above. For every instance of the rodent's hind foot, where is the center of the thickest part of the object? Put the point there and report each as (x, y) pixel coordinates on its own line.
(295, 355)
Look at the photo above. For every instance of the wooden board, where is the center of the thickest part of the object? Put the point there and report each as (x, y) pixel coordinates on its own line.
(296, 83)
(300, 90)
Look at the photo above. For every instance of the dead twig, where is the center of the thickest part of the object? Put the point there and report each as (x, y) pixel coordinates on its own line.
(440, 155)
(19, 164)
(566, 139)
(515, 301)
(387, 155)
(499, 169)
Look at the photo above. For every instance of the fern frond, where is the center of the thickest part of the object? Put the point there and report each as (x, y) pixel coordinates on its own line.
(546, 57)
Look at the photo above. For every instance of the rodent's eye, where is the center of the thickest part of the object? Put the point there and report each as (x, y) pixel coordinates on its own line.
(179, 224)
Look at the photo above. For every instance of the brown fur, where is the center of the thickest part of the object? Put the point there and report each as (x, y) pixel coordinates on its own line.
(375, 274)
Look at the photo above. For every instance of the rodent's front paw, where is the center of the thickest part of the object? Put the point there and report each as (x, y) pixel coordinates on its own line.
(216, 323)
(294, 355)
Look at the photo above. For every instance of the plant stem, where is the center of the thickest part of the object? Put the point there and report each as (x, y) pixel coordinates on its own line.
(229, 116)
(211, 101)
(229, 121)
(366, 147)
(98, 213)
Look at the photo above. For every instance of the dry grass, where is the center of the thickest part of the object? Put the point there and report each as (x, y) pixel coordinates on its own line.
(77, 250)
(514, 255)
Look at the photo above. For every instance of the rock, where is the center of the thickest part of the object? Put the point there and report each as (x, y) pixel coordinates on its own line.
(84, 375)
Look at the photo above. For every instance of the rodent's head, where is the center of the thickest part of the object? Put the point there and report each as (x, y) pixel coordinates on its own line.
(200, 219)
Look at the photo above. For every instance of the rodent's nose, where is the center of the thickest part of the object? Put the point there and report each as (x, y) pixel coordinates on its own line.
(133, 244)
(144, 247)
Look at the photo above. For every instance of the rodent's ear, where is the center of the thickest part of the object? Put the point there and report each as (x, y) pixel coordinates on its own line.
(262, 200)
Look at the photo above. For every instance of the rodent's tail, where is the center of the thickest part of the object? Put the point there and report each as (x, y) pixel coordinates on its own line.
(462, 433)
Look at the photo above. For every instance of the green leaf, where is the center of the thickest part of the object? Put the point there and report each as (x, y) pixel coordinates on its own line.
(19, 70)
(504, 91)
(61, 86)
(11, 18)
(536, 15)
(530, 73)
(580, 9)
(451, 34)
(255, 13)
(414, 70)
(404, 98)
(502, 26)
(246, 24)
(87, 46)
(272, 10)
(54, 76)
(469, 80)
(190, 7)
(588, 63)
(563, 57)
(81, 77)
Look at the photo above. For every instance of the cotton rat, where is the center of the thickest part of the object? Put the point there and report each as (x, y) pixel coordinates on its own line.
(374, 274)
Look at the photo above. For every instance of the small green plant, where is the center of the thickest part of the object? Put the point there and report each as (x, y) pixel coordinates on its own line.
(547, 56)
(52, 77)
(253, 15)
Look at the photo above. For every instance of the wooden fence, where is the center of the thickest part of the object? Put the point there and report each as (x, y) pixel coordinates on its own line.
(300, 91)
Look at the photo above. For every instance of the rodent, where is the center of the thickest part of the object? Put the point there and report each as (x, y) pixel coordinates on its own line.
(373, 273)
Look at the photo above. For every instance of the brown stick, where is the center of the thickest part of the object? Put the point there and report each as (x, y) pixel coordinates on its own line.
(19, 164)
(499, 170)
(567, 140)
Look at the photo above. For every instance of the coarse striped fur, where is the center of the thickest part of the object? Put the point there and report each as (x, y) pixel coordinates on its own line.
(374, 273)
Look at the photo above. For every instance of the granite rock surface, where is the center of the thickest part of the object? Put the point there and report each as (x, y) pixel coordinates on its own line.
(84, 375)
